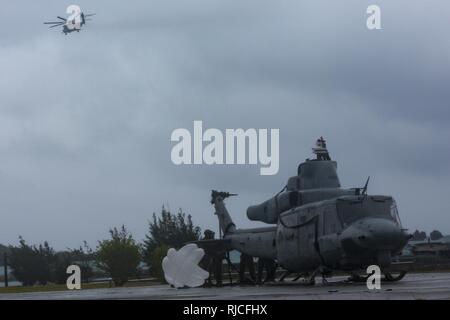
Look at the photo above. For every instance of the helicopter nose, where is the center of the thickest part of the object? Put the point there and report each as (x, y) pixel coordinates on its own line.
(374, 234)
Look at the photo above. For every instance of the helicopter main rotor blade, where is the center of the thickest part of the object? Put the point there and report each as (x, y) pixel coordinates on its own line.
(62, 18)
(57, 25)
(364, 190)
(56, 22)
(89, 14)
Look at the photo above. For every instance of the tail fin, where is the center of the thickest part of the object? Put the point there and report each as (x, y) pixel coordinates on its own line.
(226, 225)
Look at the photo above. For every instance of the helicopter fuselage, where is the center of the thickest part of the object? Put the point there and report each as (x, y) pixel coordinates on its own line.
(316, 224)
(345, 233)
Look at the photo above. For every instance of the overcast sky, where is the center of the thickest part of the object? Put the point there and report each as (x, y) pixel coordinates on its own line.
(86, 119)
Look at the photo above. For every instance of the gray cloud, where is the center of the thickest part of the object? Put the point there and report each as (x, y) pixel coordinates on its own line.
(85, 119)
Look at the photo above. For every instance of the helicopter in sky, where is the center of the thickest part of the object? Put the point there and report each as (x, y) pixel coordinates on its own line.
(317, 227)
(74, 22)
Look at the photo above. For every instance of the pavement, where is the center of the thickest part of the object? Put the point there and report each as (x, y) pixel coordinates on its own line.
(417, 286)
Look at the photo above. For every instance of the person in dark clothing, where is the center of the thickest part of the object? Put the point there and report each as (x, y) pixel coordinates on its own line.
(246, 263)
(270, 266)
(212, 261)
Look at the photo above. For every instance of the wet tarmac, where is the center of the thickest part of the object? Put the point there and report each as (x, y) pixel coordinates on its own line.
(412, 287)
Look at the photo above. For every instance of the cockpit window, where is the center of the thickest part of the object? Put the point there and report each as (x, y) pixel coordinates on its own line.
(351, 210)
(394, 213)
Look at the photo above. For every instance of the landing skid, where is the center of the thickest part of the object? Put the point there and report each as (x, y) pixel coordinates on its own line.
(388, 276)
(311, 279)
(354, 277)
(394, 276)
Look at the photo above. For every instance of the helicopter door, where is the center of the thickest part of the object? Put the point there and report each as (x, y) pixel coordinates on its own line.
(328, 242)
(307, 239)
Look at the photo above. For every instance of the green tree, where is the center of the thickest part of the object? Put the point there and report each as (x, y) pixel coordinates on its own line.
(62, 261)
(45, 264)
(119, 256)
(419, 236)
(167, 231)
(156, 260)
(31, 264)
(436, 235)
(82, 257)
(3, 250)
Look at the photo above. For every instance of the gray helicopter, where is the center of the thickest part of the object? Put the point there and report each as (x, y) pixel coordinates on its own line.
(319, 227)
(75, 23)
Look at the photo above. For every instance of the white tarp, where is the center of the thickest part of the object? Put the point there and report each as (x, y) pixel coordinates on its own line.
(181, 267)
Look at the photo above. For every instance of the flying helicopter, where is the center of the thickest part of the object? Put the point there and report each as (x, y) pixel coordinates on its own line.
(76, 20)
(317, 227)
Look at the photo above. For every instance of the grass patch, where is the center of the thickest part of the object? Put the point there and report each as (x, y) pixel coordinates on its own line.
(84, 286)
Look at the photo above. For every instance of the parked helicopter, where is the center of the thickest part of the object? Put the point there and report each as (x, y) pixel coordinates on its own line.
(74, 22)
(319, 227)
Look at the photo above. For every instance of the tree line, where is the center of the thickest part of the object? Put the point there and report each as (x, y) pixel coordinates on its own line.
(118, 257)
(422, 235)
